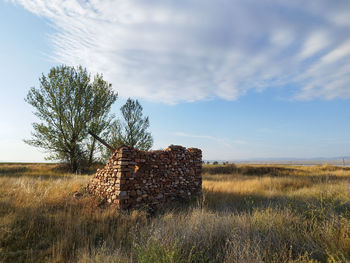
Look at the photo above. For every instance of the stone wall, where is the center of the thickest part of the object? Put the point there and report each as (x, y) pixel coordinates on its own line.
(134, 178)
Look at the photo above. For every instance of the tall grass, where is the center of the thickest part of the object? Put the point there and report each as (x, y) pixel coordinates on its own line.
(246, 214)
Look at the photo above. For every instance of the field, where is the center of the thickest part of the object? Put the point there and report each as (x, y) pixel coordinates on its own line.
(248, 213)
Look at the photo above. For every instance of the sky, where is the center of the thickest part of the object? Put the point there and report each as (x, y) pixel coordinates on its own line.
(239, 79)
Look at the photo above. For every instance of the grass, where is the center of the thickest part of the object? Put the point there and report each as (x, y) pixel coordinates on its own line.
(247, 213)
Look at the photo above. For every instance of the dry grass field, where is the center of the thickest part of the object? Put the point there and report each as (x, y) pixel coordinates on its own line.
(247, 214)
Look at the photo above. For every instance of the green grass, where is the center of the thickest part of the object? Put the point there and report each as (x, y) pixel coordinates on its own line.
(247, 214)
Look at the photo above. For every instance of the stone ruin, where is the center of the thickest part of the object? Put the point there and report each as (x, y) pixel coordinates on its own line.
(134, 178)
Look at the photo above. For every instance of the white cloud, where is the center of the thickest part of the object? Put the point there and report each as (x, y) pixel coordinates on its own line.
(341, 18)
(329, 77)
(338, 53)
(314, 43)
(173, 51)
(282, 37)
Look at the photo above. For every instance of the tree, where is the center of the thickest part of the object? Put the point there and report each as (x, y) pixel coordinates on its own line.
(101, 119)
(68, 103)
(132, 131)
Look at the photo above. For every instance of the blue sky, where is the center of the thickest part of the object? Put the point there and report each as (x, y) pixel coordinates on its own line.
(238, 79)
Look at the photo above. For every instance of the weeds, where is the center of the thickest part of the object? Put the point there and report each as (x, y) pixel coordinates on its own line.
(270, 214)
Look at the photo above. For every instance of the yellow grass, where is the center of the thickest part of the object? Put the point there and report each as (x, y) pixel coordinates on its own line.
(247, 214)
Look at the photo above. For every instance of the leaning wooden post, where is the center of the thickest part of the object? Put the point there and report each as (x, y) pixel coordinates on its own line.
(102, 141)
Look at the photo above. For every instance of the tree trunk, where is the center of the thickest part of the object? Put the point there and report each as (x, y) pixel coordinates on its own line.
(92, 151)
(73, 162)
(74, 167)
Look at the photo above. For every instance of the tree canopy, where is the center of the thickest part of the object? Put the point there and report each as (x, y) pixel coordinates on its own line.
(133, 129)
(68, 103)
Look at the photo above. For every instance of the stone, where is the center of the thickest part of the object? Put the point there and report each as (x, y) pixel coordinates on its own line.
(134, 178)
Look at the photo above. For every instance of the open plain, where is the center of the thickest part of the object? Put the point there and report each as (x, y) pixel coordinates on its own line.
(247, 213)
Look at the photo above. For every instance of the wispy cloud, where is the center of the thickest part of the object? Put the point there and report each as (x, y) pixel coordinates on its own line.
(314, 43)
(173, 51)
(219, 140)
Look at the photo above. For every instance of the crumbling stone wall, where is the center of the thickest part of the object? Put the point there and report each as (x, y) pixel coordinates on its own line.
(134, 178)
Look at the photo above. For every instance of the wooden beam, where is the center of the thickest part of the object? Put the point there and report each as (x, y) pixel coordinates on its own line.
(102, 141)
